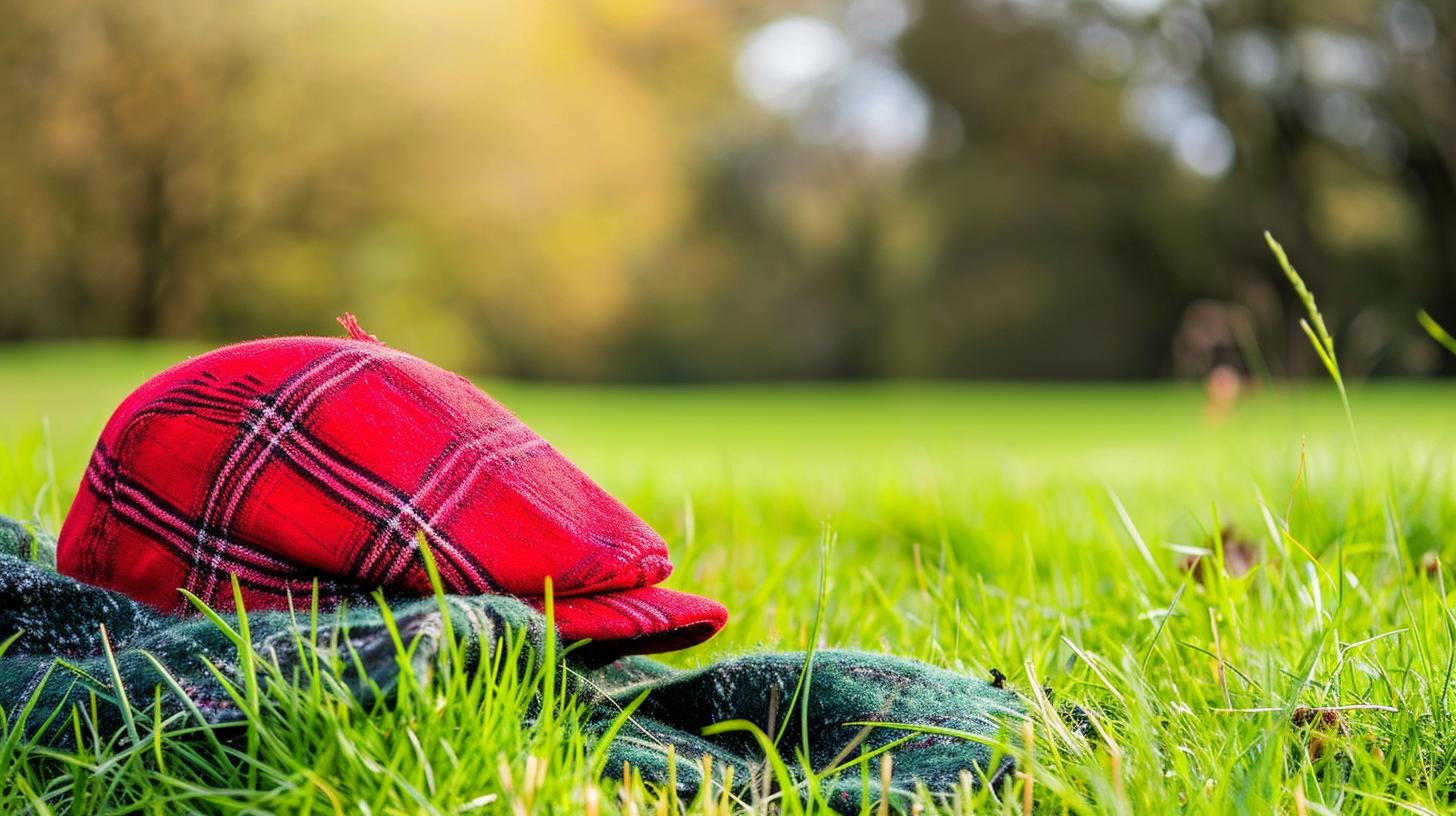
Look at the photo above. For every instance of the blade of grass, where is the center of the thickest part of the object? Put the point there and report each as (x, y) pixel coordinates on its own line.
(1434, 329)
(806, 674)
(121, 699)
(1319, 334)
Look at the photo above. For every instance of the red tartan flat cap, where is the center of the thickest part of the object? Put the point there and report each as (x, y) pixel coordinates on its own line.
(292, 459)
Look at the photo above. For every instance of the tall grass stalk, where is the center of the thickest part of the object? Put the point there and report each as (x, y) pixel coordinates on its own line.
(1319, 336)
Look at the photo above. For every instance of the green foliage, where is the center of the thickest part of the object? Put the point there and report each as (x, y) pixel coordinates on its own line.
(578, 190)
(973, 529)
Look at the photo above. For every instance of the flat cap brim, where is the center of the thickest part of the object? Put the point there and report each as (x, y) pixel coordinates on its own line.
(645, 620)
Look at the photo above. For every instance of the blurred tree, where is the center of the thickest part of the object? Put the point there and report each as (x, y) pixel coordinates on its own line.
(647, 189)
(478, 177)
(114, 144)
(1115, 161)
(1325, 121)
(1339, 141)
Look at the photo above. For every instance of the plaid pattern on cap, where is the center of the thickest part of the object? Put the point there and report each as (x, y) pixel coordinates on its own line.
(287, 460)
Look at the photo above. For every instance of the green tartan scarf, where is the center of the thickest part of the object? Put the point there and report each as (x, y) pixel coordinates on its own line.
(52, 659)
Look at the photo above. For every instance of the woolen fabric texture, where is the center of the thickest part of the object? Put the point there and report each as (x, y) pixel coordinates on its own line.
(286, 460)
(57, 663)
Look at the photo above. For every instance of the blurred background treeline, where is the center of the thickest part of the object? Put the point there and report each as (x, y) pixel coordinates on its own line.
(677, 191)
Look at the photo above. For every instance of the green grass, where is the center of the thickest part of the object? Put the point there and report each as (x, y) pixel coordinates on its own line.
(1039, 530)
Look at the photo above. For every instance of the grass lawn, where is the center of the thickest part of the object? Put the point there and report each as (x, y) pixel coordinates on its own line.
(1038, 530)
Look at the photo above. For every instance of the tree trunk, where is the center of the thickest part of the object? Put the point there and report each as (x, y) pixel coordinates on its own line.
(153, 253)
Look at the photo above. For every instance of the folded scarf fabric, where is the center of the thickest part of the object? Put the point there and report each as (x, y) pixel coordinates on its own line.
(56, 660)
